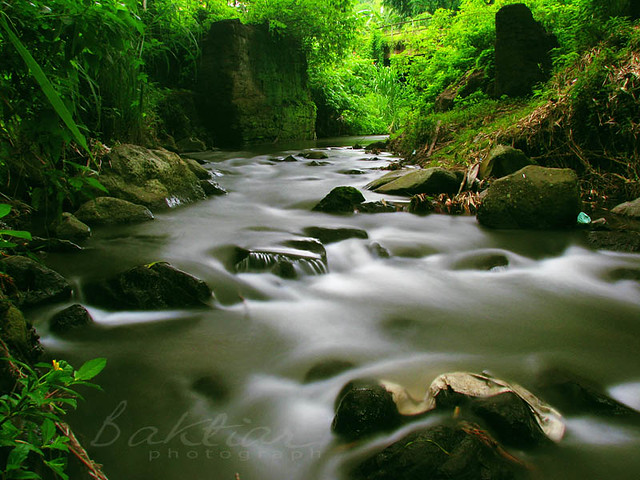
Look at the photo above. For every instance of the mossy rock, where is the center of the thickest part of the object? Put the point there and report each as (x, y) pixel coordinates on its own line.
(153, 178)
(112, 211)
(532, 198)
(36, 284)
(428, 181)
(386, 178)
(501, 161)
(69, 227)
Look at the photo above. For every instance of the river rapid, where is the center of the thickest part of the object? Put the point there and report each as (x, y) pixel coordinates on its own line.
(433, 306)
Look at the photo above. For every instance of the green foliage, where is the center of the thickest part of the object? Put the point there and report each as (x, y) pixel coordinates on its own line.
(32, 412)
(325, 28)
(408, 8)
(4, 211)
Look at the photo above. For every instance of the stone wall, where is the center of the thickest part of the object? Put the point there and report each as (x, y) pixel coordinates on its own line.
(522, 51)
(252, 87)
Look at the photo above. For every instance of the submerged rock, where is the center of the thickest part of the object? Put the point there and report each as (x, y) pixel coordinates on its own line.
(36, 284)
(617, 241)
(377, 207)
(501, 161)
(149, 287)
(444, 452)
(340, 200)
(327, 369)
(333, 235)
(315, 155)
(71, 318)
(428, 181)
(212, 386)
(112, 211)
(534, 198)
(285, 264)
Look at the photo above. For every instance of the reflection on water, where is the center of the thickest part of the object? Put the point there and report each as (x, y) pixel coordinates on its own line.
(451, 296)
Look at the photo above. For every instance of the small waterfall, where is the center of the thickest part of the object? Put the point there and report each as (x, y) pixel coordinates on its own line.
(261, 261)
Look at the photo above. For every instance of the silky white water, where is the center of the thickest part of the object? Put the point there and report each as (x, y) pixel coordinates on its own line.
(435, 305)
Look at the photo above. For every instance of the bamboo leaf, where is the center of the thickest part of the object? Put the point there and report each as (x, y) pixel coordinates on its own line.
(90, 369)
(16, 233)
(45, 84)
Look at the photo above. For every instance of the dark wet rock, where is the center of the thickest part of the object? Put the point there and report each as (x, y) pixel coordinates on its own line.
(482, 261)
(315, 155)
(153, 178)
(501, 161)
(364, 408)
(428, 181)
(352, 171)
(522, 51)
(149, 287)
(287, 159)
(68, 227)
(316, 163)
(617, 241)
(376, 146)
(573, 394)
(327, 369)
(340, 200)
(532, 198)
(53, 245)
(213, 387)
(36, 284)
(378, 250)
(387, 178)
(71, 318)
(285, 264)
(369, 159)
(628, 209)
(510, 419)
(471, 81)
(442, 452)
(624, 274)
(212, 188)
(112, 211)
(333, 235)
(377, 207)
(190, 144)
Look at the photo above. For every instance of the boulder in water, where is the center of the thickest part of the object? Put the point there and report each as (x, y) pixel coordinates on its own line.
(327, 369)
(340, 200)
(68, 227)
(333, 235)
(364, 407)
(36, 284)
(453, 452)
(71, 318)
(315, 155)
(112, 211)
(149, 287)
(154, 178)
(428, 181)
(532, 198)
(211, 188)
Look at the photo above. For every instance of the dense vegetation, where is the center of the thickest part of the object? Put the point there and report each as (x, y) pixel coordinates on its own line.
(79, 75)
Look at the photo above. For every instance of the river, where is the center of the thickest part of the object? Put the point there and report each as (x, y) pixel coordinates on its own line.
(432, 307)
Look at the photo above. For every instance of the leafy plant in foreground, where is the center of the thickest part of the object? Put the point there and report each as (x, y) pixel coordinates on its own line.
(32, 433)
(4, 211)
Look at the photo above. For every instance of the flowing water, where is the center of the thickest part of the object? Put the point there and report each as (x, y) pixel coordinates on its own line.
(451, 296)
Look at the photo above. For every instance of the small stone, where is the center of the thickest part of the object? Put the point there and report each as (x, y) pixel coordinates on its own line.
(628, 209)
(68, 227)
(71, 318)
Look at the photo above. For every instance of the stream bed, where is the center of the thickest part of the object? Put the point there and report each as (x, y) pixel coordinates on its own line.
(211, 393)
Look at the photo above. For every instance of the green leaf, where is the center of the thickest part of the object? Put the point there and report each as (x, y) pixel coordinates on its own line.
(16, 233)
(96, 184)
(4, 209)
(90, 369)
(5, 244)
(58, 465)
(45, 84)
(25, 475)
(17, 457)
(48, 430)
